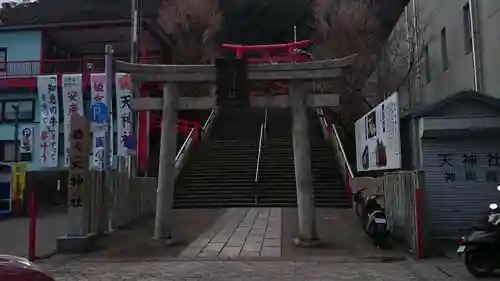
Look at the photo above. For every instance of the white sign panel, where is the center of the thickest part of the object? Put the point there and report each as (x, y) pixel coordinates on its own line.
(99, 95)
(26, 136)
(378, 145)
(72, 105)
(124, 111)
(49, 121)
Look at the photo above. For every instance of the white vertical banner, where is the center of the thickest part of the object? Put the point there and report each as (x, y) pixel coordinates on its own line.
(26, 135)
(72, 96)
(99, 95)
(49, 121)
(124, 111)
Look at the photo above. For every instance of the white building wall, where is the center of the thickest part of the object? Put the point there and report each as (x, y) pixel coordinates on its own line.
(433, 16)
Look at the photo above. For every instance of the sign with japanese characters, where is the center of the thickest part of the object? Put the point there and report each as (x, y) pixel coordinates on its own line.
(26, 136)
(72, 105)
(49, 121)
(470, 167)
(99, 96)
(124, 112)
(79, 160)
(378, 145)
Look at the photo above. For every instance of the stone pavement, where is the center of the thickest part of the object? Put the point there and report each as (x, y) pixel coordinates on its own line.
(250, 244)
(14, 234)
(247, 270)
(242, 232)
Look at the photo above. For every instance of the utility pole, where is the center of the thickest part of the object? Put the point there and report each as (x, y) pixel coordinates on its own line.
(108, 188)
(16, 132)
(16, 150)
(134, 51)
(134, 35)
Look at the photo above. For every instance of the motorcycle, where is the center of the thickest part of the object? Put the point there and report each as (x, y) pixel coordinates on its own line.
(481, 247)
(373, 217)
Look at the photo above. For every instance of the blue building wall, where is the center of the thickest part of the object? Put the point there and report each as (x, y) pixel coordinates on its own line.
(22, 45)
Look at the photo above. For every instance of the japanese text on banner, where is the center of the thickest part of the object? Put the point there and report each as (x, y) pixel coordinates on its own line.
(124, 111)
(72, 105)
(99, 95)
(49, 121)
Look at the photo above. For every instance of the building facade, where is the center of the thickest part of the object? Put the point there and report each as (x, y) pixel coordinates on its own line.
(36, 40)
(443, 57)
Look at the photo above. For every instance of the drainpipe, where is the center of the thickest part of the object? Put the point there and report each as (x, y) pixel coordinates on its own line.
(414, 123)
(408, 59)
(416, 48)
(476, 45)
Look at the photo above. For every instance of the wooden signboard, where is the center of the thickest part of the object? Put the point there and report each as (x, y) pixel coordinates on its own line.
(78, 161)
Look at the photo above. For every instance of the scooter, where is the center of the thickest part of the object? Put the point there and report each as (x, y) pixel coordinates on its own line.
(373, 217)
(481, 247)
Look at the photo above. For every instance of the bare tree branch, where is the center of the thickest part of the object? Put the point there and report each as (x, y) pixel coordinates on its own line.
(194, 25)
(347, 27)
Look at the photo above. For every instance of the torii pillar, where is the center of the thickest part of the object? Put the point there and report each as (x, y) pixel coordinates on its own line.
(298, 74)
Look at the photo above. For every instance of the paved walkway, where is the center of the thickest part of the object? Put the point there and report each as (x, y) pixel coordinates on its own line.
(242, 232)
(14, 234)
(249, 270)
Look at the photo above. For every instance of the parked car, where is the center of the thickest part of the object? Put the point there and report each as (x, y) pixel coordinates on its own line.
(20, 269)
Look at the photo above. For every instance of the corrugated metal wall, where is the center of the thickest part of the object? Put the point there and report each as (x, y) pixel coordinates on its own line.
(461, 179)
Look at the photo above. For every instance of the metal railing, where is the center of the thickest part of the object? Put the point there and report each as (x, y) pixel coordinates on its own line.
(33, 68)
(207, 124)
(262, 137)
(259, 153)
(190, 140)
(347, 171)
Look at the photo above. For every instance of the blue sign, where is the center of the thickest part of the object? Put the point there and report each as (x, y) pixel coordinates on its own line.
(26, 132)
(130, 142)
(99, 113)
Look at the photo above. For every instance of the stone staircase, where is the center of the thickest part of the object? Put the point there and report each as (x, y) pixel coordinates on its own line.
(277, 175)
(222, 172)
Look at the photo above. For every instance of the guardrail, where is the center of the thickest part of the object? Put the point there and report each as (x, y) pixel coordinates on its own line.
(263, 129)
(33, 68)
(328, 130)
(191, 139)
(259, 153)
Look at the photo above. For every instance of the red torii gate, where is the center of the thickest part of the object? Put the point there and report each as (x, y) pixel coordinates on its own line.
(286, 53)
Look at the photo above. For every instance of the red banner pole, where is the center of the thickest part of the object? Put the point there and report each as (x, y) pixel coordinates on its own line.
(32, 227)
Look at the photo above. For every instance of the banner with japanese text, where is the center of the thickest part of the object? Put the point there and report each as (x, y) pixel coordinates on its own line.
(49, 121)
(99, 95)
(72, 96)
(124, 111)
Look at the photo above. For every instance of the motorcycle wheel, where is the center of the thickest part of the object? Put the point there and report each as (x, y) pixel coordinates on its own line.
(378, 236)
(474, 262)
(359, 209)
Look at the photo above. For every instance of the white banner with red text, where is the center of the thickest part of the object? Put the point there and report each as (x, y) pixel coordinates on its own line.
(49, 121)
(72, 96)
